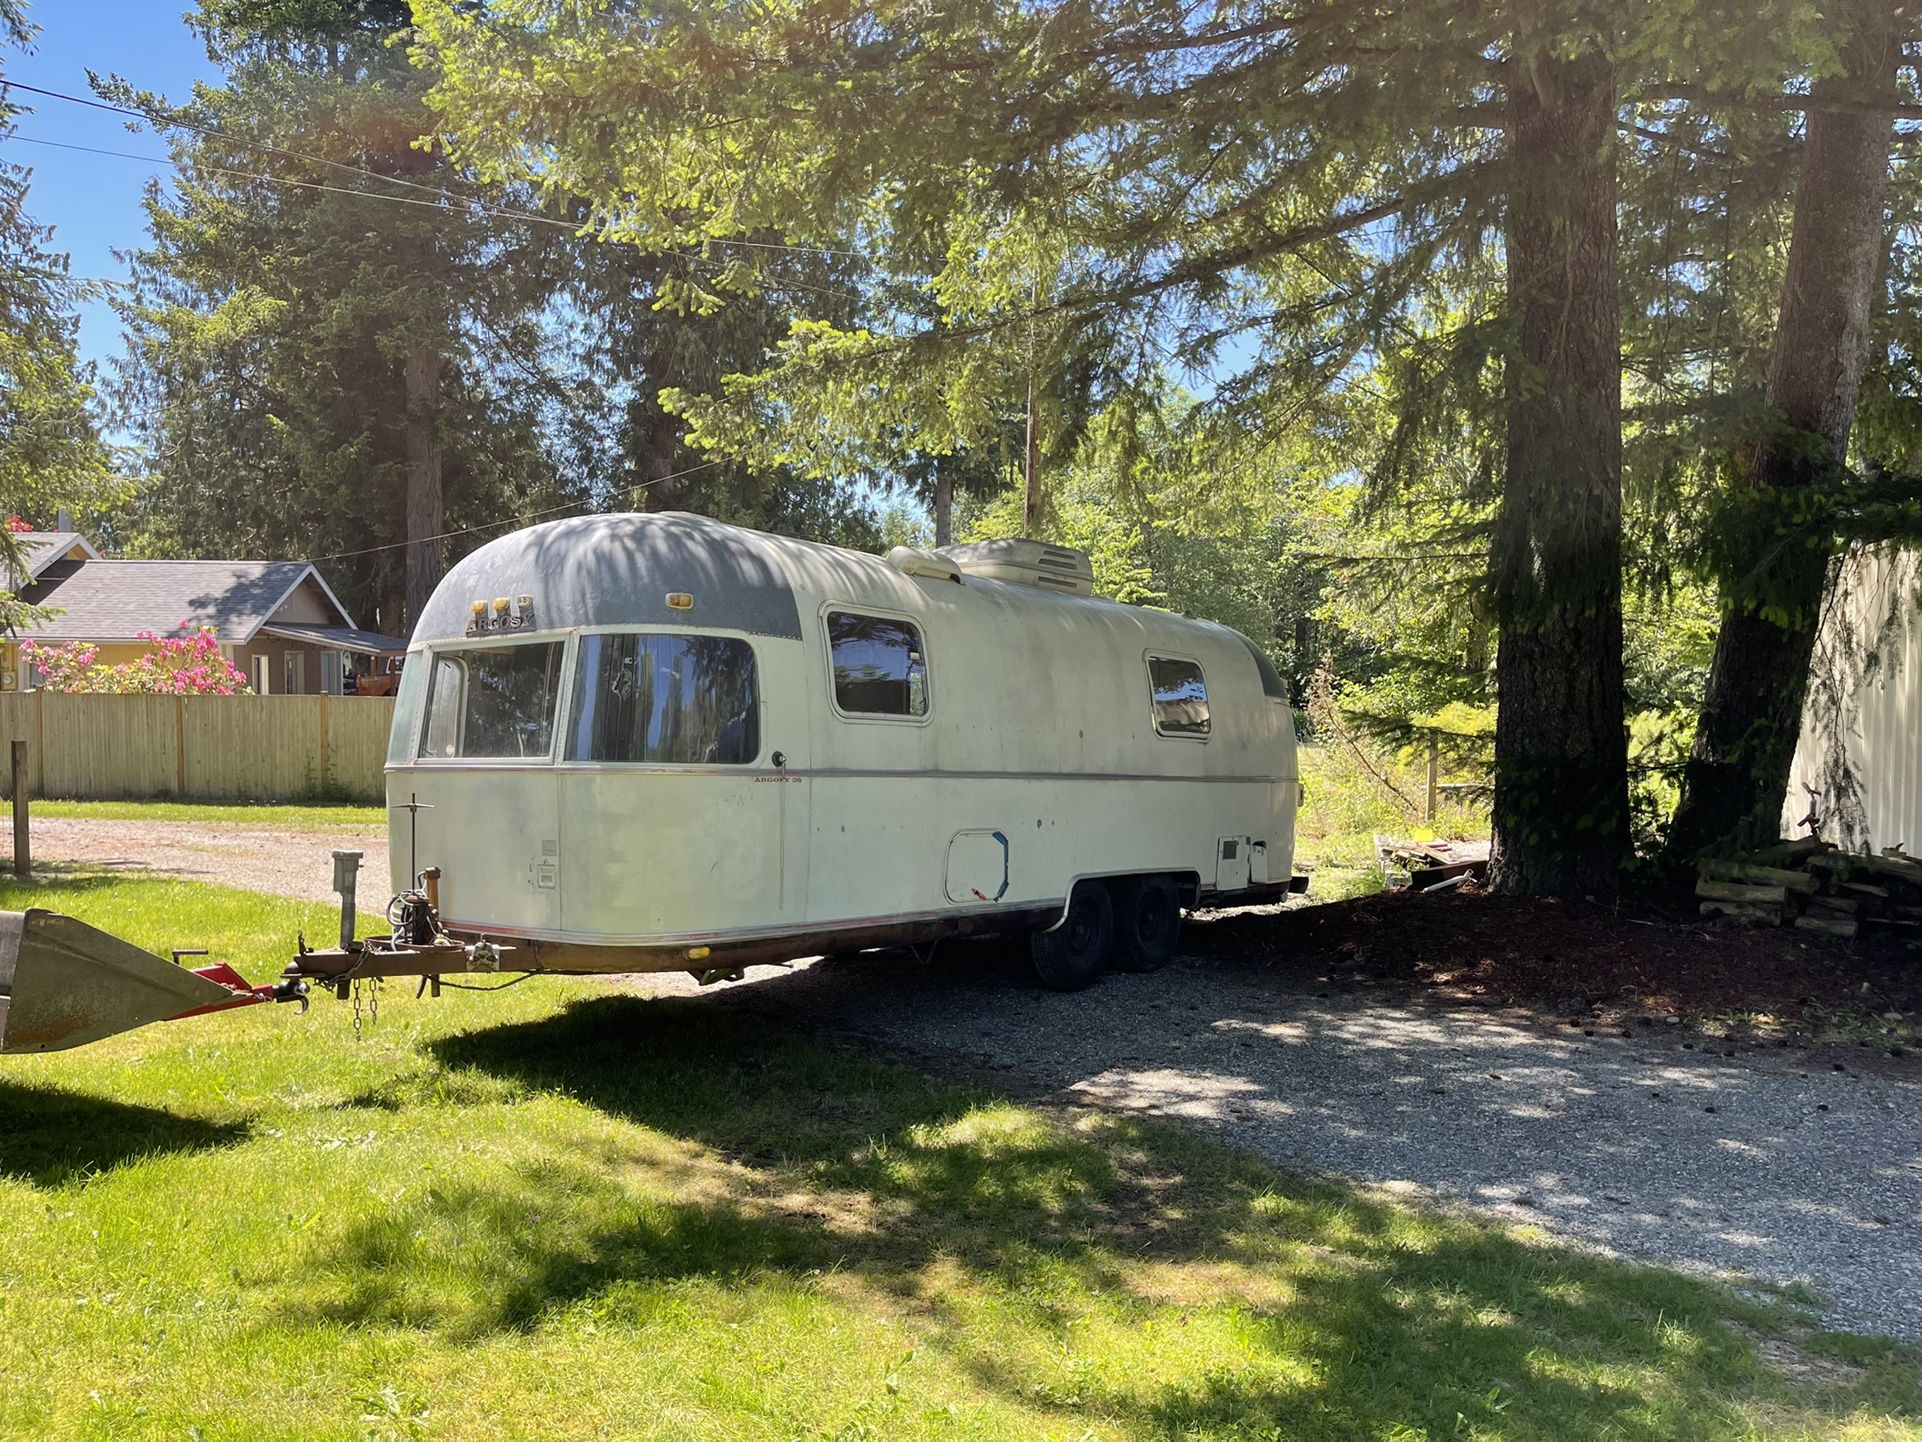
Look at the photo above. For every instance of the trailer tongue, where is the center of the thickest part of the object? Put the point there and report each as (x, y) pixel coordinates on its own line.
(64, 983)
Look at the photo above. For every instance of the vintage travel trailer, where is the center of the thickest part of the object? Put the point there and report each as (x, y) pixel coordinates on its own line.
(658, 742)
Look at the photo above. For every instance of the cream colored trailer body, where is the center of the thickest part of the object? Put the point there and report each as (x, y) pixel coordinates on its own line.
(679, 742)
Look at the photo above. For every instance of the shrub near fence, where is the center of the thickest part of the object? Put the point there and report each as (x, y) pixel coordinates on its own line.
(251, 748)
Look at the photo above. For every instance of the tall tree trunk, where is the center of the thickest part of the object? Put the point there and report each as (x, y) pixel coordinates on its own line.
(1737, 775)
(425, 509)
(663, 489)
(1561, 767)
(943, 504)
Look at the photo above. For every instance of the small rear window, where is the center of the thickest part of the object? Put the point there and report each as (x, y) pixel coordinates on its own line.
(1180, 696)
(685, 700)
(879, 669)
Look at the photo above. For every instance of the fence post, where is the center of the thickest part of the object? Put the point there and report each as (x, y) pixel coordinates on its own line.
(323, 740)
(180, 747)
(22, 846)
(1434, 771)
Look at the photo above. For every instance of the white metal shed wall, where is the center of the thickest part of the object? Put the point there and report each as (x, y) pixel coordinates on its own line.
(1864, 719)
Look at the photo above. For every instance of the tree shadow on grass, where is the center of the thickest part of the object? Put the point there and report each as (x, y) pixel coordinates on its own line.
(1318, 1310)
(51, 1137)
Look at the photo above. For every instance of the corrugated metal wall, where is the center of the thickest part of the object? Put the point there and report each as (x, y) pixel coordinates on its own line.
(257, 748)
(1861, 741)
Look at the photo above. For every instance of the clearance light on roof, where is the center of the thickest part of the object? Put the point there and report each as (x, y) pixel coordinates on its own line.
(679, 601)
(506, 615)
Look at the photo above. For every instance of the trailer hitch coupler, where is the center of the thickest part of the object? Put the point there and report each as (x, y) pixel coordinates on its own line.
(347, 884)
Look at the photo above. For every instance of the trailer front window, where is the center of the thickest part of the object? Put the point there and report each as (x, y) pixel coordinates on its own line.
(684, 700)
(494, 702)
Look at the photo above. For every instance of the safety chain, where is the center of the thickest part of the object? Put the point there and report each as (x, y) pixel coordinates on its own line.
(373, 1004)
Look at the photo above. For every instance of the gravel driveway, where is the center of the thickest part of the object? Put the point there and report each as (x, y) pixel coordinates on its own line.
(283, 863)
(1776, 1164)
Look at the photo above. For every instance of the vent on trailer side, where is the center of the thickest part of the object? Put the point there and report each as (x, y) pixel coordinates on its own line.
(1026, 563)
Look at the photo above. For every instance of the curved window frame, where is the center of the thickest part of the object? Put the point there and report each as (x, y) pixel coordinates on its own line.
(429, 660)
(1148, 659)
(879, 613)
(576, 659)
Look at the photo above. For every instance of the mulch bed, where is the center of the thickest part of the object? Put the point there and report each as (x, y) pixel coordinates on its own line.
(1589, 964)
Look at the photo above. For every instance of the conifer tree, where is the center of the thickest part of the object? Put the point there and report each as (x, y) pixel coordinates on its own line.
(1104, 194)
(1775, 567)
(51, 454)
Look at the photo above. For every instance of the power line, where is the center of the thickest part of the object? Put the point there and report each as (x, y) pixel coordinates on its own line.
(299, 184)
(511, 520)
(777, 282)
(174, 119)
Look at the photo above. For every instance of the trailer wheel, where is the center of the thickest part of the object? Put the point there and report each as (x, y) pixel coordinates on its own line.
(1073, 954)
(1147, 923)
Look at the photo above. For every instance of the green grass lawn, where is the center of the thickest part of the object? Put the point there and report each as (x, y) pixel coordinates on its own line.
(285, 816)
(567, 1212)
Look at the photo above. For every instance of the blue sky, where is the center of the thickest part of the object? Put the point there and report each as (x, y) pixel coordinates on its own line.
(93, 201)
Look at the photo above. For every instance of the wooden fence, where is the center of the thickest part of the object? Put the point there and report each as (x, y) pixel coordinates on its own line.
(254, 748)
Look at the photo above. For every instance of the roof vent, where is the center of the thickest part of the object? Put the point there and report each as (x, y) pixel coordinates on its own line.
(1026, 563)
(914, 561)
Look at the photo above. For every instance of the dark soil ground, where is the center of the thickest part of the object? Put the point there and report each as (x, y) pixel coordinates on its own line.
(1590, 966)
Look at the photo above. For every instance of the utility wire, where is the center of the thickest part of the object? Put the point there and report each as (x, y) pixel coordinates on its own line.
(634, 490)
(777, 282)
(175, 120)
(436, 205)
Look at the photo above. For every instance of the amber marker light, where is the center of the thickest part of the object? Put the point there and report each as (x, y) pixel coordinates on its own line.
(679, 601)
(698, 953)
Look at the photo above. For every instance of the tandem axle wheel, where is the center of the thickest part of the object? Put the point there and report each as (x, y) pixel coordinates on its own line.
(1130, 923)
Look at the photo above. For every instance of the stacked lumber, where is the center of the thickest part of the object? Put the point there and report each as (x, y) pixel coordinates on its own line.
(1815, 887)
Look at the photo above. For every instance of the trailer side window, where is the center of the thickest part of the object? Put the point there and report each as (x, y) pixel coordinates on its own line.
(1180, 696)
(687, 700)
(879, 668)
(494, 702)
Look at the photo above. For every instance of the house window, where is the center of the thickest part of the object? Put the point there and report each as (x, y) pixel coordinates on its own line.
(686, 700)
(294, 670)
(879, 668)
(1180, 696)
(494, 702)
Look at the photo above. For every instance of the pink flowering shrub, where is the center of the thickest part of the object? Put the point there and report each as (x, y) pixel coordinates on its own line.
(189, 664)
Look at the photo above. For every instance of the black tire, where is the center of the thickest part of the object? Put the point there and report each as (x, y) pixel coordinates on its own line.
(1074, 954)
(1147, 923)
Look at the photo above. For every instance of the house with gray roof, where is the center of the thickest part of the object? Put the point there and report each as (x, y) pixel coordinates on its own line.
(277, 621)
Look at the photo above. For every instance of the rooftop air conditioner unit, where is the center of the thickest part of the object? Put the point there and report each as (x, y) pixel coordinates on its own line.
(1026, 563)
